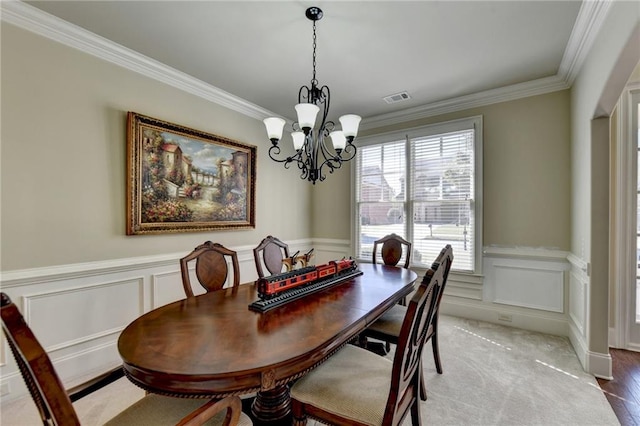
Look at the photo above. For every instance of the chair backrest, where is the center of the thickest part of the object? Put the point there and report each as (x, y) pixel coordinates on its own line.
(270, 252)
(211, 267)
(392, 248)
(444, 260)
(405, 378)
(45, 386)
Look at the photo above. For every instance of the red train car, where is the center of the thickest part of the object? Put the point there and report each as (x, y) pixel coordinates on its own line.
(269, 287)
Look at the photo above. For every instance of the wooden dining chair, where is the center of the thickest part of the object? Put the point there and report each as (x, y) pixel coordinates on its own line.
(55, 405)
(270, 253)
(211, 267)
(358, 387)
(392, 248)
(387, 328)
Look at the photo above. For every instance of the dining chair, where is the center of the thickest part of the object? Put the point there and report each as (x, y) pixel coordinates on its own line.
(270, 253)
(387, 328)
(358, 387)
(55, 405)
(392, 248)
(211, 267)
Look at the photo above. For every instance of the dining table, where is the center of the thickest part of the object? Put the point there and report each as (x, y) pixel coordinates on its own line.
(213, 345)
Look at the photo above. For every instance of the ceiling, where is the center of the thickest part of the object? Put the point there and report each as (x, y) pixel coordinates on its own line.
(261, 51)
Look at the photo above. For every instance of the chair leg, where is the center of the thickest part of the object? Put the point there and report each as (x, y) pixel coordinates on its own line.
(423, 387)
(436, 350)
(362, 341)
(415, 414)
(298, 414)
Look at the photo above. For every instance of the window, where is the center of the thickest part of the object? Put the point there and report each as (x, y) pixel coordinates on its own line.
(431, 174)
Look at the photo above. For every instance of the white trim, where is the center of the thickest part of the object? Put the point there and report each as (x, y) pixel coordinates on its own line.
(623, 213)
(586, 27)
(65, 272)
(578, 263)
(527, 319)
(44, 24)
(487, 97)
(600, 365)
(75, 270)
(533, 253)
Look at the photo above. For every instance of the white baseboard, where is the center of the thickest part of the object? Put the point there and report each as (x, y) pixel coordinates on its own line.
(509, 316)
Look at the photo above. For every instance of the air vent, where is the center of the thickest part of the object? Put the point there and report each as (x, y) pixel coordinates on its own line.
(398, 97)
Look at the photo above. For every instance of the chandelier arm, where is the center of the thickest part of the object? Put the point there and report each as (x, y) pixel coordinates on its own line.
(302, 166)
(325, 96)
(348, 152)
(275, 150)
(326, 152)
(304, 94)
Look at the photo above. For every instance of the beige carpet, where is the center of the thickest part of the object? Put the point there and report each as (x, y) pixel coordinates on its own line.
(496, 375)
(493, 375)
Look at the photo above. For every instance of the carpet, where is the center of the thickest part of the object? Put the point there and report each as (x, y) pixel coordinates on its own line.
(497, 375)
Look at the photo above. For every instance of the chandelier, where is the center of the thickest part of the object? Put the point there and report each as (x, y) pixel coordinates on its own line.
(312, 153)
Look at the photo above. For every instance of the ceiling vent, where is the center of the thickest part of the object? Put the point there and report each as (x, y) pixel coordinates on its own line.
(398, 97)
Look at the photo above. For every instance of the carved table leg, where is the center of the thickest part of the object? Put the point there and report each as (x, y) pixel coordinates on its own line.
(272, 406)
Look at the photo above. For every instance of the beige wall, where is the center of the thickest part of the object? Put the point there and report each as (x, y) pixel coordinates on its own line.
(63, 159)
(526, 174)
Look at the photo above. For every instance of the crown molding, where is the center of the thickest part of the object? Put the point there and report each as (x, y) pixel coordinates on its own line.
(586, 27)
(588, 23)
(487, 97)
(32, 19)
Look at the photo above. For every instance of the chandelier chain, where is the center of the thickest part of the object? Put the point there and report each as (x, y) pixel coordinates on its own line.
(313, 80)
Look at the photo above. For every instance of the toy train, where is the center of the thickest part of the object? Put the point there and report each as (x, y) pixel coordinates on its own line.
(269, 287)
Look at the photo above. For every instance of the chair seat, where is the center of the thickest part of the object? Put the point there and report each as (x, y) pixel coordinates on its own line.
(391, 322)
(354, 384)
(163, 410)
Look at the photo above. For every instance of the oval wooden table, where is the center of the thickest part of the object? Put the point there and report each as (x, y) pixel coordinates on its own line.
(212, 345)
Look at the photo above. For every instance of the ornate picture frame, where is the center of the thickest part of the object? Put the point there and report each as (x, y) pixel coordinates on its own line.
(185, 180)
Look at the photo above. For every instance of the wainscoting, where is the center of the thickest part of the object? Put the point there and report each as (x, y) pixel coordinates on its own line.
(78, 311)
(520, 287)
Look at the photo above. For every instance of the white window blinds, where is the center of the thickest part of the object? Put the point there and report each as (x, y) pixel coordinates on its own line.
(432, 202)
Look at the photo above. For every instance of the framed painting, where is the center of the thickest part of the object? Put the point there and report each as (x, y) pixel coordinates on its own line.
(184, 180)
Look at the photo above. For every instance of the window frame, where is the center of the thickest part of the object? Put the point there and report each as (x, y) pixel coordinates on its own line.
(475, 123)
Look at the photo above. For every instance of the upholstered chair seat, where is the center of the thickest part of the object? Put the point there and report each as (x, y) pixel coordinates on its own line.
(153, 410)
(352, 384)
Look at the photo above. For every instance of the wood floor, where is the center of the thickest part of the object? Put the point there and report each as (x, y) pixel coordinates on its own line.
(623, 392)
